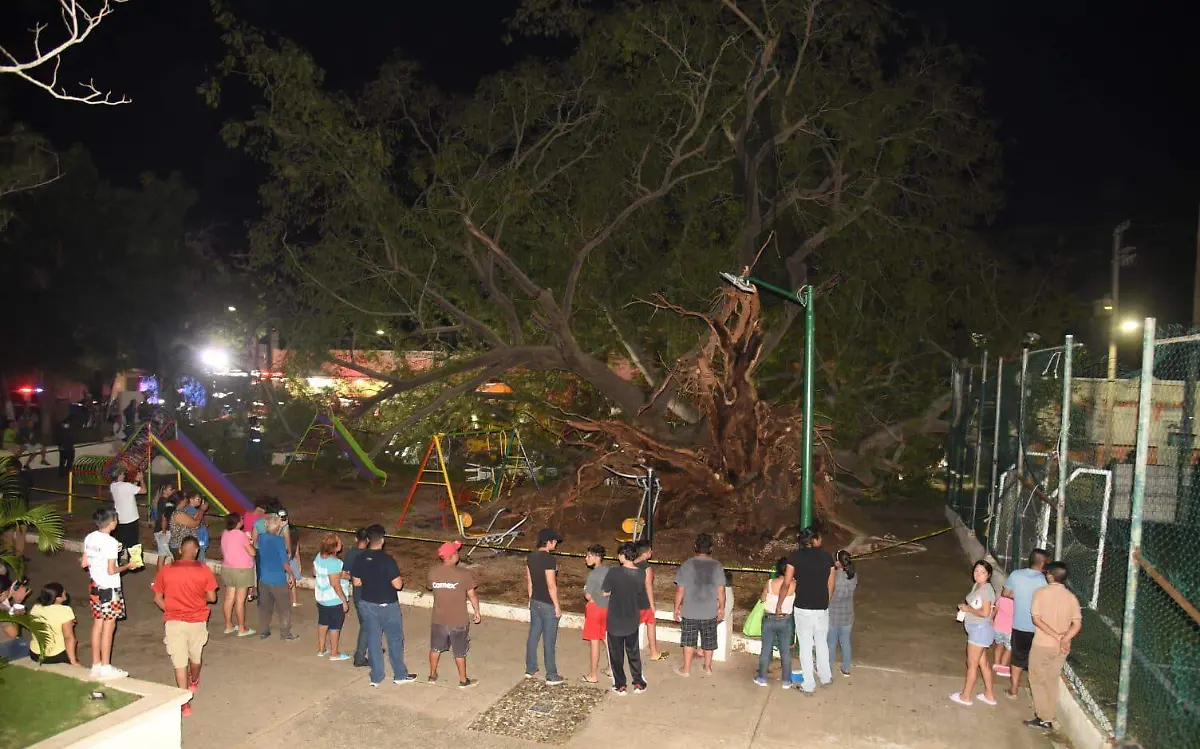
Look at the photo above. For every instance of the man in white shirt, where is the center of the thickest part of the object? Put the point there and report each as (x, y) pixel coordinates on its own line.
(100, 551)
(124, 494)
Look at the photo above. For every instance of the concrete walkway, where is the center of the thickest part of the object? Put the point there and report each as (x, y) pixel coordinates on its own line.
(266, 694)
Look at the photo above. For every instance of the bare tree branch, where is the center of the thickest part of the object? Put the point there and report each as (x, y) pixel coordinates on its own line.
(78, 23)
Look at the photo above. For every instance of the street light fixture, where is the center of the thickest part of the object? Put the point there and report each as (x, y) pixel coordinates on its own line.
(231, 308)
(215, 359)
(381, 331)
(1130, 325)
(803, 297)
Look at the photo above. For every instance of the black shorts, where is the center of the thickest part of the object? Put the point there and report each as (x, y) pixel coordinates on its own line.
(704, 630)
(1021, 643)
(443, 638)
(127, 534)
(331, 616)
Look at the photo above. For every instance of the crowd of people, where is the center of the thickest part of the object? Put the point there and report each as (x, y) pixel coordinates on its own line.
(808, 602)
(1030, 626)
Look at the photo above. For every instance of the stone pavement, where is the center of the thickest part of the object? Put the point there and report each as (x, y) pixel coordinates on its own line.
(267, 694)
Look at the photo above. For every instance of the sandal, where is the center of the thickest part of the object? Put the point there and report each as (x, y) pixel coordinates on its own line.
(679, 672)
(662, 656)
(586, 680)
(985, 700)
(957, 697)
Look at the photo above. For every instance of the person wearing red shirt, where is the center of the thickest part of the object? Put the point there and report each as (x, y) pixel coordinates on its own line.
(183, 591)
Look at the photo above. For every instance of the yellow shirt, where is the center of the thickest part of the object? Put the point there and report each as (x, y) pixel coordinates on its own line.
(54, 616)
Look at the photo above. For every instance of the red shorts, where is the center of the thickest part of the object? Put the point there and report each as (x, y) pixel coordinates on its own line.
(646, 616)
(595, 622)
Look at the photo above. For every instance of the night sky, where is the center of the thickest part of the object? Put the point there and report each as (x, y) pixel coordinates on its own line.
(1093, 101)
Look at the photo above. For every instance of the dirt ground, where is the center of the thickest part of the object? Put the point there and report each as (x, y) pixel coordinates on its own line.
(322, 499)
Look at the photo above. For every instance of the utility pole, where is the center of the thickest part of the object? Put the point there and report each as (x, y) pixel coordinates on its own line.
(1110, 386)
(1115, 321)
(1196, 286)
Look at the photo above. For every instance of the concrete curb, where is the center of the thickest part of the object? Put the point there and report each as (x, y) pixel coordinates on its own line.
(1073, 720)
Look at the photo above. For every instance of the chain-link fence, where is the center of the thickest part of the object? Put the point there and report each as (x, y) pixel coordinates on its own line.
(1117, 513)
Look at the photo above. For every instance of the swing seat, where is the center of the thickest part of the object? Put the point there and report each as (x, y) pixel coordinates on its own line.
(631, 530)
(491, 535)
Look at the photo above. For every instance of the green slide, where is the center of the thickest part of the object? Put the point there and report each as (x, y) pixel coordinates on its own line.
(353, 450)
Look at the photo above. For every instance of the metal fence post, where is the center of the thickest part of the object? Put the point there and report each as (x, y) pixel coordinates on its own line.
(1064, 445)
(952, 447)
(1137, 503)
(1014, 544)
(979, 438)
(994, 489)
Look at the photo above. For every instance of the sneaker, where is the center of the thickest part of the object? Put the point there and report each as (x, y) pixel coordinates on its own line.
(1038, 723)
(109, 672)
(468, 684)
(361, 664)
(619, 691)
(639, 688)
(186, 710)
(96, 672)
(760, 681)
(339, 657)
(265, 635)
(289, 638)
(247, 633)
(787, 685)
(374, 684)
(193, 686)
(554, 681)
(530, 674)
(844, 672)
(406, 679)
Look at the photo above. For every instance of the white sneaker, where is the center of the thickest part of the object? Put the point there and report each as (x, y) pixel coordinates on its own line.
(109, 672)
(96, 672)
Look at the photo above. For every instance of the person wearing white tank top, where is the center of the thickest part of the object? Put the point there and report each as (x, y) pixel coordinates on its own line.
(777, 628)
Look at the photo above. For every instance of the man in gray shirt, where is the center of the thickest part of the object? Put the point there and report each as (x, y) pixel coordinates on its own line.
(595, 620)
(699, 604)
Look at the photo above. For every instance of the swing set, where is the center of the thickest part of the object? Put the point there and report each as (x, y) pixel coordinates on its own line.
(501, 478)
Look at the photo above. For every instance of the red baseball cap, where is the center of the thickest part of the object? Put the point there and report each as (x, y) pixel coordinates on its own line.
(448, 548)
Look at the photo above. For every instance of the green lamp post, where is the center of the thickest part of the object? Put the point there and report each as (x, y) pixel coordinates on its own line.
(804, 298)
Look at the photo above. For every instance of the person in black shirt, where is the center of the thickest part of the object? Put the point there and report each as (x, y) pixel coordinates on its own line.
(65, 437)
(813, 570)
(541, 579)
(625, 586)
(377, 578)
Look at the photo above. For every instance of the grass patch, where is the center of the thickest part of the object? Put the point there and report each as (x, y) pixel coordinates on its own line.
(40, 704)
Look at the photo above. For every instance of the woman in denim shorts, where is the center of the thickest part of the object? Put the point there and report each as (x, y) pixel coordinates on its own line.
(976, 615)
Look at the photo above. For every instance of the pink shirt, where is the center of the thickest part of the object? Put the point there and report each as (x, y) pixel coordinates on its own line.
(1004, 615)
(233, 550)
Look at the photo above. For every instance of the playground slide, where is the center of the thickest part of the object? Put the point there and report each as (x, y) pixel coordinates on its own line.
(353, 450)
(198, 469)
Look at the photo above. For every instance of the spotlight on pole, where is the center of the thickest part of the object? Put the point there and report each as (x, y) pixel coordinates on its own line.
(1131, 325)
(215, 359)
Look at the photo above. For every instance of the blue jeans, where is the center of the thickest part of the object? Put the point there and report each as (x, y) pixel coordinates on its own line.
(381, 619)
(360, 647)
(543, 625)
(840, 635)
(776, 632)
(14, 649)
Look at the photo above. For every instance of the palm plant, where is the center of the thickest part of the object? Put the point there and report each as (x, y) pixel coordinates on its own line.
(17, 516)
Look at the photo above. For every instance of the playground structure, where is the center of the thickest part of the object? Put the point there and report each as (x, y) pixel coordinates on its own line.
(136, 455)
(491, 535)
(641, 526)
(434, 470)
(327, 427)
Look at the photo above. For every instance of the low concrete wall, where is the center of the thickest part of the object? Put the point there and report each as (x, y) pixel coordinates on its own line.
(153, 720)
(727, 641)
(1073, 720)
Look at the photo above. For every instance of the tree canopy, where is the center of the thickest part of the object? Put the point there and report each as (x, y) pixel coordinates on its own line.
(575, 209)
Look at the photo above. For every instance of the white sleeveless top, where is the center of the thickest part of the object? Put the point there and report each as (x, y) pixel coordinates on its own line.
(773, 601)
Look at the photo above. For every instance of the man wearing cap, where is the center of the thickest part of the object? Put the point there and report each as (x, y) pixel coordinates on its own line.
(452, 587)
(541, 581)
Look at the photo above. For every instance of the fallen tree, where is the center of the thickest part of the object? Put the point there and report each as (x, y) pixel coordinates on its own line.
(574, 210)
